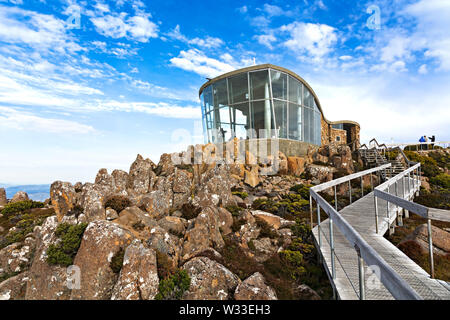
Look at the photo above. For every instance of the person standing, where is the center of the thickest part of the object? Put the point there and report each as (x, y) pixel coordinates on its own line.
(432, 140)
(421, 140)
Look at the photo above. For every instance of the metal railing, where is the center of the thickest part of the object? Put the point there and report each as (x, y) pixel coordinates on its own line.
(402, 203)
(398, 287)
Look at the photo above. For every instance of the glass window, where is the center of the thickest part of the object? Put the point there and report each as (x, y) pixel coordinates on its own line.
(279, 84)
(308, 98)
(238, 87)
(208, 99)
(307, 124)
(281, 118)
(259, 85)
(220, 93)
(263, 121)
(295, 90)
(317, 128)
(295, 121)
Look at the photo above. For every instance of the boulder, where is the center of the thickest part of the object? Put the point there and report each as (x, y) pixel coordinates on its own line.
(215, 187)
(111, 214)
(91, 200)
(156, 203)
(272, 220)
(162, 241)
(63, 197)
(441, 239)
(264, 248)
(254, 288)
(46, 282)
(136, 221)
(120, 181)
(174, 225)
(321, 173)
(204, 234)
(138, 278)
(225, 220)
(101, 241)
(165, 166)
(283, 167)
(14, 288)
(251, 177)
(3, 200)
(306, 293)
(141, 176)
(105, 180)
(20, 196)
(296, 165)
(209, 280)
(16, 257)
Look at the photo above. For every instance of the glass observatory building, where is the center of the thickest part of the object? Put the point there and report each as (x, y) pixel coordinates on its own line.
(266, 102)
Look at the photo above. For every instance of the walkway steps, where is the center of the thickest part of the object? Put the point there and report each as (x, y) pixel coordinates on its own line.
(361, 216)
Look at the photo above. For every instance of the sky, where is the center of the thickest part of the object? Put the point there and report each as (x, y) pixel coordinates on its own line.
(90, 84)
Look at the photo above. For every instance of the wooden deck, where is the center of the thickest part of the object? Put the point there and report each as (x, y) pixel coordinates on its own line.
(361, 216)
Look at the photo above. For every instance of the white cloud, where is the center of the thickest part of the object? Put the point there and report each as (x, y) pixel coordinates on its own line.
(22, 120)
(138, 27)
(243, 9)
(315, 40)
(423, 69)
(207, 42)
(196, 61)
(266, 40)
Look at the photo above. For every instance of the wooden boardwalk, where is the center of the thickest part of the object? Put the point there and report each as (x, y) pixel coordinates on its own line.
(361, 216)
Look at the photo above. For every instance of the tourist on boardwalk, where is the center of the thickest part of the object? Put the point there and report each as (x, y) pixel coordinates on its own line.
(422, 140)
(432, 139)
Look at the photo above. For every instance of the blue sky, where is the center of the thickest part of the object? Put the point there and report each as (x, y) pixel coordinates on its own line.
(89, 84)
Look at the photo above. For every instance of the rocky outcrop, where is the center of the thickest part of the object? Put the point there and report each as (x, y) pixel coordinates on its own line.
(296, 165)
(3, 200)
(441, 239)
(272, 220)
(101, 241)
(254, 288)
(91, 200)
(141, 176)
(306, 293)
(165, 243)
(138, 279)
(136, 221)
(205, 233)
(209, 280)
(16, 257)
(14, 287)
(320, 173)
(63, 197)
(46, 282)
(20, 196)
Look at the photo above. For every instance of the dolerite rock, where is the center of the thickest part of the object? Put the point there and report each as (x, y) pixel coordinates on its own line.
(225, 220)
(165, 243)
(120, 181)
(63, 198)
(321, 173)
(215, 187)
(251, 177)
(204, 234)
(111, 214)
(306, 293)
(3, 200)
(182, 186)
(138, 279)
(272, 220)
(92, 198)
(254, 288)
(296, 165)
(101, 241)
(141, 176)
(165, 166)
(16, 257)
(249, 230)
(441, 240)
(209, 280)
(14, 287)
(174, 225)
(46, 282)
(264, 249)
(283, 167)
(137, 221)
(20, 196)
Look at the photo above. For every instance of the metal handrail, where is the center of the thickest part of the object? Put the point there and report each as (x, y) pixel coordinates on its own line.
(405, 204)
(397, 286)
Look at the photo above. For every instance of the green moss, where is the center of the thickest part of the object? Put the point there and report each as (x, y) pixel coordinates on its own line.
(173, 287)
(240, 194)
(21, 206)
(117, 261)
(117, 203)
(63, 252)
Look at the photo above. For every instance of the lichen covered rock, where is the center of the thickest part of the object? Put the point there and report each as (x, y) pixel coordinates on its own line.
(254, 288)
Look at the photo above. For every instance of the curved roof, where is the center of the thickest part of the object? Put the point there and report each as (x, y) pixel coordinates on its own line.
(271, 66)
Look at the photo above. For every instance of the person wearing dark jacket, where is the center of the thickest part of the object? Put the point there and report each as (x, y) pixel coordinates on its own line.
(432, 139)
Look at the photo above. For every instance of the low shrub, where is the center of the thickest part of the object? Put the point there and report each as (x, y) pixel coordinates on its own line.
(302, 190)
(190, 211)
(266, 231)
(173, 287)
(442, 180)
(240, 194)
(234, 210)
(117, 261)
(21, 206)
(117, 203)
(63, 252)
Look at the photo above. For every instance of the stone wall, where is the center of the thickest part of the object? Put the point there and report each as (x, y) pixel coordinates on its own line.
(335, 133)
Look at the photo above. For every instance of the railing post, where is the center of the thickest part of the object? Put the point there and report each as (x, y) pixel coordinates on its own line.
(371, 182)
(350, 190)
(335, 199)
(376, 213)
(318, 224)
(362, 187)
(333, 268)
(311, 210)
(409, 184)
(430, 246)
(362, 291)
